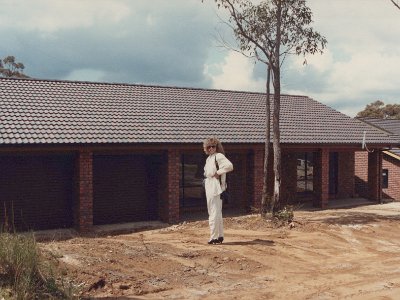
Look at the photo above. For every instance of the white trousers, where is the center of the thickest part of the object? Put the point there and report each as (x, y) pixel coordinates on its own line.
(214, 206)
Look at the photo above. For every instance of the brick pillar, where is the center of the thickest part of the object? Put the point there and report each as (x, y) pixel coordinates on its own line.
(322, 178)
(361, 174)
(84, 207)
(171, 213)
(374, 176)
(346, 175)
(258, 176)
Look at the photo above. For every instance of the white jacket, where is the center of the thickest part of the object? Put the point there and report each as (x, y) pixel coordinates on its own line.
(212, 185)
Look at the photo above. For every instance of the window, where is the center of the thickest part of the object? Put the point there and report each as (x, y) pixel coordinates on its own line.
(385, 178)
(305, 172)
(191, 188)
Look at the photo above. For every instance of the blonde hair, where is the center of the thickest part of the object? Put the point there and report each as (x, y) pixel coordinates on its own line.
(213, 141)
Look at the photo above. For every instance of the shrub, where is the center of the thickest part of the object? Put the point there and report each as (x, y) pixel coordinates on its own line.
(285, 214)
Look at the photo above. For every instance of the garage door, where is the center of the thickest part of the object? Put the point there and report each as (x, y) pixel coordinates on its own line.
(36, 191)
(124, 188)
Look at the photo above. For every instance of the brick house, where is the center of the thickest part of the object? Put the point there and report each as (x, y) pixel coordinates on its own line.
(390, 163)
(78, 154)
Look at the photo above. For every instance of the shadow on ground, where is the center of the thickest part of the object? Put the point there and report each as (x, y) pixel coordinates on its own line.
(253, 242)
(358, 218)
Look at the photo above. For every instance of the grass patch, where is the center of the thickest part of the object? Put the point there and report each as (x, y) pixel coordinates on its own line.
(25, 274)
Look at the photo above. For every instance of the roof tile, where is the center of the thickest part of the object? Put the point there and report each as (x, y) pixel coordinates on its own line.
(48, 111)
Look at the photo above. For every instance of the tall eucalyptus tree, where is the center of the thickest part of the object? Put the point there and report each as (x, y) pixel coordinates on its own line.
(270, 31)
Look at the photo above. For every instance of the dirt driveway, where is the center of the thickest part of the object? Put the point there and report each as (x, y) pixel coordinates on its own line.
(331, 254)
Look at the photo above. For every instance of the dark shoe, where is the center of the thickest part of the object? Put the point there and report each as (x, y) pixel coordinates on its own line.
(220, 239)
(213, 242)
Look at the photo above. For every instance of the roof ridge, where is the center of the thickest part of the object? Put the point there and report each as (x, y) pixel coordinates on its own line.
(144, 85)
(368, 121)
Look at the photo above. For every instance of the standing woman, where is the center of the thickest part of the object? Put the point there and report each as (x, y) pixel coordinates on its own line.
(214, 186)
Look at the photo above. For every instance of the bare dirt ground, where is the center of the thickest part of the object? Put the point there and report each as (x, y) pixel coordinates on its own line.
(331, 254)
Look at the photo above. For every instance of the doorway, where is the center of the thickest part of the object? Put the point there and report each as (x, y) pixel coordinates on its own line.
(333, 173)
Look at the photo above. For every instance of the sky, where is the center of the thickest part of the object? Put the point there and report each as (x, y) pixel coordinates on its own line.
(173, 43)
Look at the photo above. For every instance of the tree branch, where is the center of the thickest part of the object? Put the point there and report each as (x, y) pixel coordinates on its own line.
(225, 44)
(395, 4)
(243, 32)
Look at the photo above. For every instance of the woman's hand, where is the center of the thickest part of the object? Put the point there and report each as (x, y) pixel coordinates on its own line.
(216, 175)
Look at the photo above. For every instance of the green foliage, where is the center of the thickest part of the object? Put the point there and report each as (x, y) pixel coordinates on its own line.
(10, 68)
(285, 214)
(379, 110)
(262, 29)
(23, 272)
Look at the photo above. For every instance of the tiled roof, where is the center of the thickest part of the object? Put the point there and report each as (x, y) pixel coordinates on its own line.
(63, 112)
(391, 125)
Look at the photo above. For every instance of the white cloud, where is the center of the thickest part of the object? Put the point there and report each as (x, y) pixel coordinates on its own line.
(171, 41)
(86, 75)
(362, 61)
(150, 20)
(319, 62)
(367, 72)
(349, 85)
(53, 15)
(234, 73)
(359, 66)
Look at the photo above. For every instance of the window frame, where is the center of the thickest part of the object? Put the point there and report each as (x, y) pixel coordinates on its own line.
(385, 178)
(184, 185)
(306, 160)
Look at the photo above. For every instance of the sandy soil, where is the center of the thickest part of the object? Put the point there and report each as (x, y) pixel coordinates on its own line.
(331, 254)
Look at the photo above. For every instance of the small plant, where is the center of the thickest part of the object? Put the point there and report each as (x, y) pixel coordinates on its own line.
(285, 214)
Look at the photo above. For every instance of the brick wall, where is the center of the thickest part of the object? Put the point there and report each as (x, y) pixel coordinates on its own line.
(170, 206)
(168, 193)
(321, 178)
(393, 166)
(169, 176)
(361, 174)
(83, 210)
(368, 175)
(346, 175)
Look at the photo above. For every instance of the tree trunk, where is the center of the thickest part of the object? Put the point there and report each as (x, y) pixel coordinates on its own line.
(277, 105)
(265, 200)
(277, 147)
